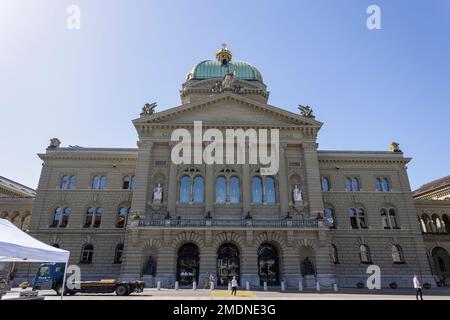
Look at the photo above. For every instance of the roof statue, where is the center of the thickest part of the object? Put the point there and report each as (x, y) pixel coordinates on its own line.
(148, 108)
(306, 111)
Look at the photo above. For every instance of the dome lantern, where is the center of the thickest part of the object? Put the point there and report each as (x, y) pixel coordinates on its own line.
(224, 55)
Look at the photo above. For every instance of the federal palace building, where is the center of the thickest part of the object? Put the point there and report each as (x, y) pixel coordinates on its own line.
(324, 217)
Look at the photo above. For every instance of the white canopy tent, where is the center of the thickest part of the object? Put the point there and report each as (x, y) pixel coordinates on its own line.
(18, 246)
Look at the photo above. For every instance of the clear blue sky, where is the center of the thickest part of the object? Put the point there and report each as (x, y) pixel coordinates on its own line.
(85, 86)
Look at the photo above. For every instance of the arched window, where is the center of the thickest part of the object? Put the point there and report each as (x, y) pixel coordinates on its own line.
(102, 183)
(270, 190)
(353, 218)
(118, 254)
(334, 254)
(64, 182)
(234, 190)
(16, 220)
(325, 184)
(126, 182)
(98, 217)
(397, 254)
(71, 183)
(56, 218)
(348, 184)
(257, 192)
(386, 185)
(185, 189)
(393, 219)
(65, 217)
(378, 185)
(426, 224)
(87, 253)
(362, 219)
(221, 189)
(121, 217)
(89, 217)
(437, 224)
(199, 189)
(355, 184)
(95, 183)
(446, 222)
(384, 219)
(26, 221)
(364, 254)
(329, 215)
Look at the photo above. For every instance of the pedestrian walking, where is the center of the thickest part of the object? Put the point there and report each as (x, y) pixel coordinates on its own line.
(234, 286)
(212, 281)
(418, 287)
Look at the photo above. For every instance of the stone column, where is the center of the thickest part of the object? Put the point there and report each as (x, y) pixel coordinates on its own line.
(313, 178)
(172, 196)
(142, 174)
(209, 191)
(282, 178)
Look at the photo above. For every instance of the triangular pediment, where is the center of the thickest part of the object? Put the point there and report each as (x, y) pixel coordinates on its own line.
(228, 109)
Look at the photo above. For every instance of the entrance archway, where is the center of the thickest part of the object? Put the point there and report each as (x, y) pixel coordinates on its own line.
(441, 261)
(188, 263)
(268, 265)
(227, 263)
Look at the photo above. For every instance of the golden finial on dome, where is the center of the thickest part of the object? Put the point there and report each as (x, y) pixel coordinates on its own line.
(224, 55)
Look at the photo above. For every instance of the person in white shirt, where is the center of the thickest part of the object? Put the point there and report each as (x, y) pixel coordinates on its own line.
(418, 287)
(234, 285)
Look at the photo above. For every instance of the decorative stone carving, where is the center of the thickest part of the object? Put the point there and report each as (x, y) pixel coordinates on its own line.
(148, 108)
(54, 143)
(157, 193)
(229, 79)
(306, 111)
(229, 83)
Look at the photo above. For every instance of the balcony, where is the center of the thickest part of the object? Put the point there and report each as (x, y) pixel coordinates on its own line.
(228, 223)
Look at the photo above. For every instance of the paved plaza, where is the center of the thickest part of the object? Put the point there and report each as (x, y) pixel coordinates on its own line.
(204, 294)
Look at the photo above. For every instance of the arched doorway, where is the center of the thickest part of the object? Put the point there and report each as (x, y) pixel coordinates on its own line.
(441, 261)
(268, 265)
(227, 263)
(188, 264)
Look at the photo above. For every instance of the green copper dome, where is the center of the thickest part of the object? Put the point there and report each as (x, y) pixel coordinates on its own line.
(209, 69)
(214, 69)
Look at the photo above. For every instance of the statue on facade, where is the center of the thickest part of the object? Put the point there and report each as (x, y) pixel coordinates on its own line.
(306, 111)
(307, 267)
(157, 193)
(297, 194)
(148, 108)
(394, 147)
(54, 143)
(229, 79)
(150, 267)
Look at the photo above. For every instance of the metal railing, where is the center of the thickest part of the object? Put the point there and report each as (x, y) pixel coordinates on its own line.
(231, 223)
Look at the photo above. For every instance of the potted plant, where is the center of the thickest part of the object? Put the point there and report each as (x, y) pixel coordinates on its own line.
(24, 285)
